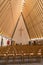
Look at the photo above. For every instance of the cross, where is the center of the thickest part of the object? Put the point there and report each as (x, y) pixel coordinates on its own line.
(21, 31)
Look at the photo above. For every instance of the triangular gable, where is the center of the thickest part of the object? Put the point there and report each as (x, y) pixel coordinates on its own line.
(21, 34)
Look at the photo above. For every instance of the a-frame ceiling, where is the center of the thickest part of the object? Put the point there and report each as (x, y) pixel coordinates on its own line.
(32, 10)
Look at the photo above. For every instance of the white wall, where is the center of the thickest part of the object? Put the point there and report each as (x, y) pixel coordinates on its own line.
(4, 41)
